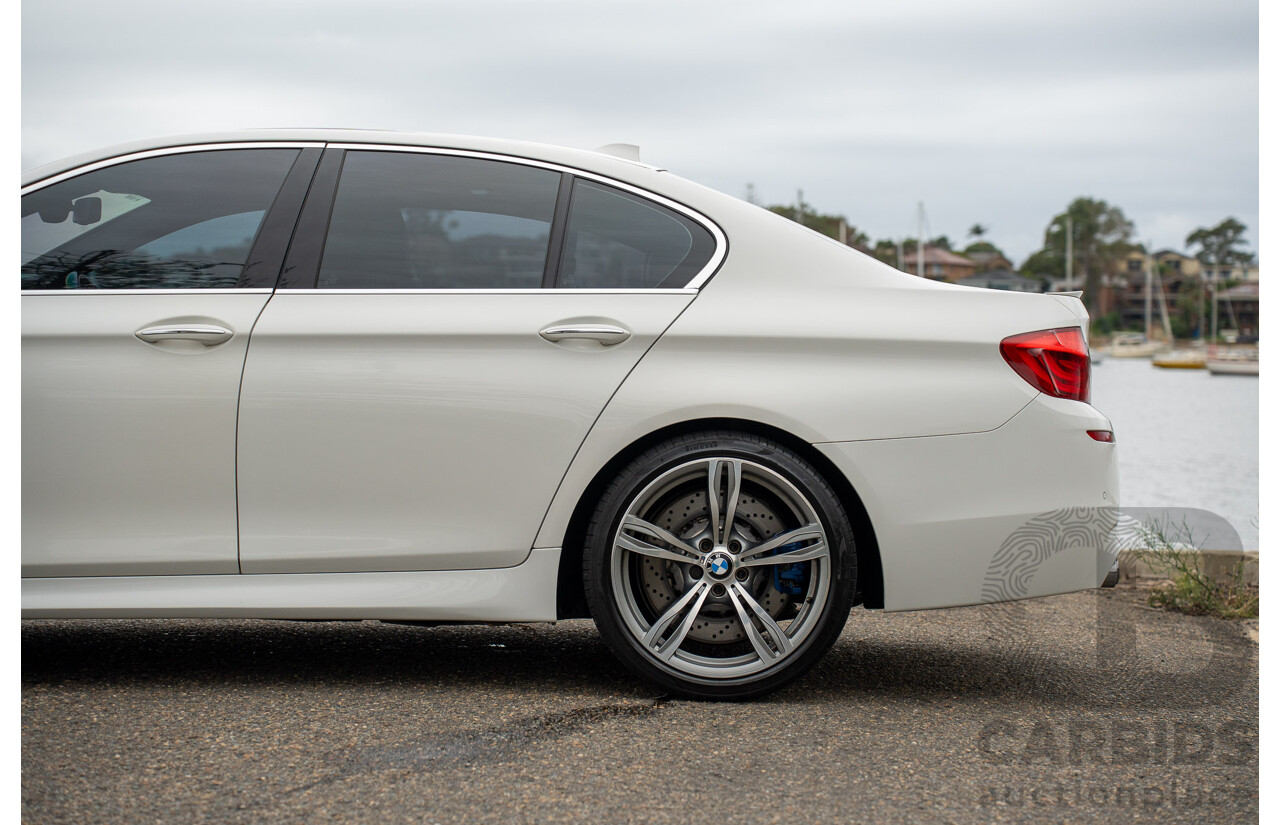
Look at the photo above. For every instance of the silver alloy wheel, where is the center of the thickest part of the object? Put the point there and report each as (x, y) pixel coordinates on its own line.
(696, 563)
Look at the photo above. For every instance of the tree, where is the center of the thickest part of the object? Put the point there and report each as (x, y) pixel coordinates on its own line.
(1045, 263)
(828, 225)
(886, 251)
(1100, 235)
(977, 231)
(1218, 245)
(1185, 308)
(983, 253)
(1217, 248)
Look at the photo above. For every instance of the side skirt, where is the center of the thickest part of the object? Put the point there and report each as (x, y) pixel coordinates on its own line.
(524, 593)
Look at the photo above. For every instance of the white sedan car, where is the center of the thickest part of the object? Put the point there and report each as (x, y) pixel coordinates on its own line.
(325, 374)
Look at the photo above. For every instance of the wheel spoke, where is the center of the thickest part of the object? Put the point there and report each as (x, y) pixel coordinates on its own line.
(666, 649)
(813, 551)
(809, 532)
(758, 642)
(742, 600)
(645, 549)
(653, 531)
(722, 527)
(713, 498)
(732, 491)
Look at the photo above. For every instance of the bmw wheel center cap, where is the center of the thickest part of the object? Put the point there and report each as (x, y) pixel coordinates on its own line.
(719, 564)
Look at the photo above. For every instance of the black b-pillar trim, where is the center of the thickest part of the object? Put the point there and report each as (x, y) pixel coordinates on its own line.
(555, 247)
(302, 266)
(265, 259)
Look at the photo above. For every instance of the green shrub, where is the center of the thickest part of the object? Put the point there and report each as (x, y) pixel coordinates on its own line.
(1189, 589)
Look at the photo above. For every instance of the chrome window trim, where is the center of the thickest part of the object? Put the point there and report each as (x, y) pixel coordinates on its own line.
(561, 292)
(174, 291)
(696, 282)
(170, 150)
(269, 290)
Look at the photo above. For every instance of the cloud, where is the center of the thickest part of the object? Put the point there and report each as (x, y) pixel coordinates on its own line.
(998, 112)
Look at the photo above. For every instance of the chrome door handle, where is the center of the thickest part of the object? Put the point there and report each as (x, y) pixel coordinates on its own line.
(606, 334)
(207, 334)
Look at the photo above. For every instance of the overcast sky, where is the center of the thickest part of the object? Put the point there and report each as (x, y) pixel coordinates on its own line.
(989, 112)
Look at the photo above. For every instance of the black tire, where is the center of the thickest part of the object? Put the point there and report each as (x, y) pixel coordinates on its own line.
(733, 618)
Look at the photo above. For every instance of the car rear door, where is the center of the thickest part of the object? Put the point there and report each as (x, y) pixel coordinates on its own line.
(416, 389)
(142, 278)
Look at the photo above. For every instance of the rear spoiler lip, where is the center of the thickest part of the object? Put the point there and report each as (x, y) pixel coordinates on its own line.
(1071, 300)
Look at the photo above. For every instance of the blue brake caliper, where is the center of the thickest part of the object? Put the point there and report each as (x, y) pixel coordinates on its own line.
(790, 579)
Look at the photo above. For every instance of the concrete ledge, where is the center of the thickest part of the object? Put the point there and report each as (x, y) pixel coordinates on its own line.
(1215, 563)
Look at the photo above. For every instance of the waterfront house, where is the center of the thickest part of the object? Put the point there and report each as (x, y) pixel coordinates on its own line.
(940, 264)
(1003, 279)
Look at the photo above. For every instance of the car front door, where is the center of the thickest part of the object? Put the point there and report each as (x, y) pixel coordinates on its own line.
(412, 400)
(142, 279)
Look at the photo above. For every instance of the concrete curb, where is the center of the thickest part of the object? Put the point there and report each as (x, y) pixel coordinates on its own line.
(1215, 563)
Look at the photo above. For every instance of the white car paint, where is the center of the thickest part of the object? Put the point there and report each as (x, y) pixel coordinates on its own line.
(420, 432)
(113, 481)
(945, 504)
(374, 438)
(514, 594)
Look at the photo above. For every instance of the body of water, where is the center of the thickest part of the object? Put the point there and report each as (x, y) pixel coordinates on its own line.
(1187, 438)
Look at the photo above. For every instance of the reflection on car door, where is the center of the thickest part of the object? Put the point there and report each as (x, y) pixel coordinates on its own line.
(141, 283)
(416, 402)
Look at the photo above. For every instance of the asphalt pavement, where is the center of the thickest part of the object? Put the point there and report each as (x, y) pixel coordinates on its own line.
(1081, 707)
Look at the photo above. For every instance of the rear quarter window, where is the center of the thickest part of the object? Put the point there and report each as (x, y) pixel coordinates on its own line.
(617, 240)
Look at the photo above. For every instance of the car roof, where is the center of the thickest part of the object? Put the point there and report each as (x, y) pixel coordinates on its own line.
(594, 161)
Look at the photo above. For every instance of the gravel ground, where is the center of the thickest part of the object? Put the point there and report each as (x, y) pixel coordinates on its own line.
(1088, 706)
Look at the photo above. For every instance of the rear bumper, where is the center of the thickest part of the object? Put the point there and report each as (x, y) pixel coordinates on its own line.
(1020, 511)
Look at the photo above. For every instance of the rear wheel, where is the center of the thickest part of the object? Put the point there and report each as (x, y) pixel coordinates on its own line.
(719, 565)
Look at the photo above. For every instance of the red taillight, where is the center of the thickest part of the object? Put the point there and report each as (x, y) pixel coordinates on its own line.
(1105, 436)
(1054, 361)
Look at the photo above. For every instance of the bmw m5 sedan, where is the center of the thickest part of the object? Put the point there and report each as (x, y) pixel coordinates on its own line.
(318, 374)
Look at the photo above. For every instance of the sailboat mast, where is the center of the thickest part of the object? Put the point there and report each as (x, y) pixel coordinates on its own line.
(1070, 253)
(1146, 302)
(1164, 308)
(1213, 324)
(920, 239)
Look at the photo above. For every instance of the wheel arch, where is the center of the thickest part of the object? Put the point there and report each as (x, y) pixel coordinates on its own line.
(570, 597)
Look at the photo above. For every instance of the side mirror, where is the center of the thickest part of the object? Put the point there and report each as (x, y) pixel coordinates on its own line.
(86, 211)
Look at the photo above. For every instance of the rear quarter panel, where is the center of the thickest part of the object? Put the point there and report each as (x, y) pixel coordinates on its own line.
(804, 334)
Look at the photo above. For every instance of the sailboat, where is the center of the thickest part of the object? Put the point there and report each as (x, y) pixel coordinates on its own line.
(1133, 345)
(1138, 344)
(1234, 362)
(1180, 359)
(1230, 361)
(1186, 358)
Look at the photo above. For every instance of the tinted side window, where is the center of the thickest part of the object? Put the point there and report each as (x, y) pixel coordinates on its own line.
(404, 220)
(616, 240)
(184, 221)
